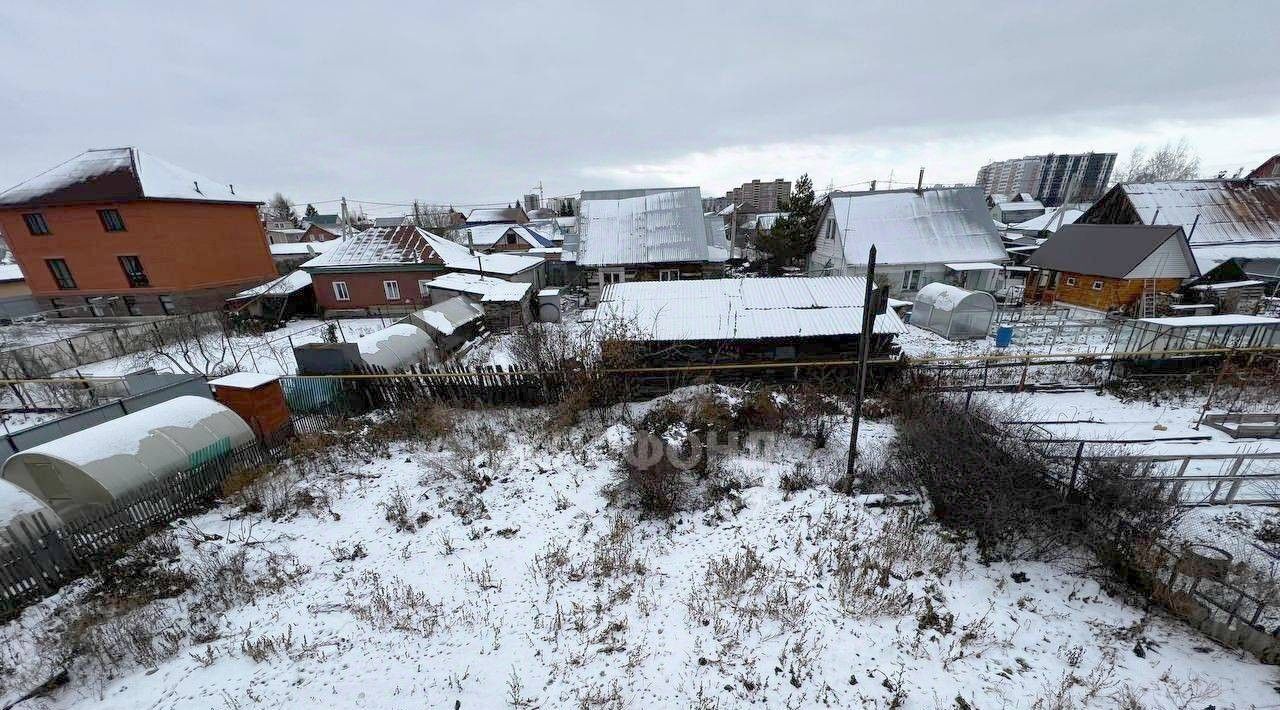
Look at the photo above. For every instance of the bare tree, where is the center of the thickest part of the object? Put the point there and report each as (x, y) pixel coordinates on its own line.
(280, 209)
(1169, 162)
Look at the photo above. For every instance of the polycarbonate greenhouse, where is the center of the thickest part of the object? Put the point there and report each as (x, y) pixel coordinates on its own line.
(1184, 335)
(953, 312)
(104, 462)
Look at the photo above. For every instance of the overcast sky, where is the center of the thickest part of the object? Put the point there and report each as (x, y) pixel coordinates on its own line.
(470, 102)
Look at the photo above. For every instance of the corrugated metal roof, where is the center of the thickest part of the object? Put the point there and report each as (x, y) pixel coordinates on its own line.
(908, 227)
(729, 309)
(1211, 256)
(1229, 210)
(381, 247)
(486, 235)
(641, 227)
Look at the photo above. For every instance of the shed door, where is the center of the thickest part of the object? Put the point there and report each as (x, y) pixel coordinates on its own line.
(48, 481)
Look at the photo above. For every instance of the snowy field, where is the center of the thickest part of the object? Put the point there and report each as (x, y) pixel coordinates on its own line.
(18, 334)
(489, 569)
(270, 353)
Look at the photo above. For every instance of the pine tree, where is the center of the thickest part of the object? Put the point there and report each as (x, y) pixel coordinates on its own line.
(793, 235)
(311, 213)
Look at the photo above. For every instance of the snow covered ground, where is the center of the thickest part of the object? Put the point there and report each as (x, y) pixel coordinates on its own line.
(509, 578)
(22, 334)
(270, 353)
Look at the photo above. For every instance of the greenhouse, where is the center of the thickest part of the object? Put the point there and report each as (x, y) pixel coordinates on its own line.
(97, 465)
(953, 312)
(1184, 335)
(397, 347)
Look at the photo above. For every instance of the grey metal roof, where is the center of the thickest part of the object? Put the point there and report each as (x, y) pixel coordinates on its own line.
(1228, 210)
(1111, 250)
(734, 309)
(647, 226)
(935, 225)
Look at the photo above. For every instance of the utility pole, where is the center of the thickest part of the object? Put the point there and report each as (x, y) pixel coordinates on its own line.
(870, 305)
(346, 222)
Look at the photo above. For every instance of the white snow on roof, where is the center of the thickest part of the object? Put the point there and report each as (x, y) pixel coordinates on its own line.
(244, 380)
(409, 245)
(123, 435)
(1050, 220)
(486, 235)
(725, 309)
(487, 287)
(642, 227)
(395, 346)
(303, 248)
(447, 316)
(11, 272)
(291, 282)
(1227, 285)
(936, 226)
(1225, 319)
(1211, 256)
(1228, 210)
(974, 266)
(157, 178)
(15, 501)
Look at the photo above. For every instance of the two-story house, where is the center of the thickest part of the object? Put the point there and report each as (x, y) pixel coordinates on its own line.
(119, 232)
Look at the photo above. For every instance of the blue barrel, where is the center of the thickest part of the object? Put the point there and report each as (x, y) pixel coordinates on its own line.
(1004, 336)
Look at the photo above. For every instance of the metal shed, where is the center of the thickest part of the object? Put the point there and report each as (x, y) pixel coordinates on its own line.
(953, 312)
(99, 464)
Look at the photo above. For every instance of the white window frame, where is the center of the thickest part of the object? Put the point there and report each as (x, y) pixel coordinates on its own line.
(619, 276)
(1071, 281)
(911, 279)
(1097, 285)
(391, 289)
(424, 286)
(340, 291)
(668, 274)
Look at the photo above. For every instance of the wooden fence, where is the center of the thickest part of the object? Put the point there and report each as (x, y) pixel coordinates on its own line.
(37, 556)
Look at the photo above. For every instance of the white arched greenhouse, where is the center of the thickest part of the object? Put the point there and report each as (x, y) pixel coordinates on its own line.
(97, 465)
(397, 347)
(953, 312)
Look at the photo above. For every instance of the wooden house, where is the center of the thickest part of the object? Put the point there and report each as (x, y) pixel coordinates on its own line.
(1109, 267)
(659, 234)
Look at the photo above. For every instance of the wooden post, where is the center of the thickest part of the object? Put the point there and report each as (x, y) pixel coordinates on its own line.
(864, 348)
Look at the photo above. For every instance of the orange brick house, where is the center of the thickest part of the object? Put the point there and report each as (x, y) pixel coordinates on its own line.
(1109, 267)
(389, 269)
(120, 232)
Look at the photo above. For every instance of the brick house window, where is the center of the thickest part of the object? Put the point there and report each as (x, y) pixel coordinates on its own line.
(392, 290)
(1097, 285)
(1071, 281)
(61, 273)
(111, 220)
(35, 223)
(133, 272)
(168, 305)
(340, 291)
(424, 285)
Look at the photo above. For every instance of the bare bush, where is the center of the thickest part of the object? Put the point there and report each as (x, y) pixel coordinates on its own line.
(393, 605)
(1007, 492)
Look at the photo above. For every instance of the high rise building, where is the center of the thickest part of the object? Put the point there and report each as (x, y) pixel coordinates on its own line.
(763, 196)
(1052, 179)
